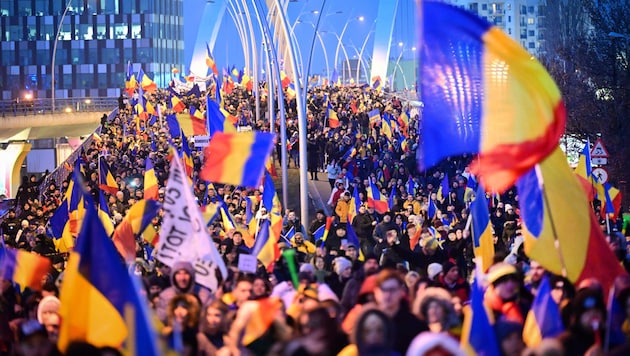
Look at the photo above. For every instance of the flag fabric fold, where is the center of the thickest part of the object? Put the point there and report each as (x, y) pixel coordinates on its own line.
(237, 158)
(100, 303)
(484, 94)
(483, 242)
(559, 227)
(137, 219)
(544, 319)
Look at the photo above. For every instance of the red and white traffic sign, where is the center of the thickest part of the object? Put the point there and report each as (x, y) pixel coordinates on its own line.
(601, 174)
(599, 151)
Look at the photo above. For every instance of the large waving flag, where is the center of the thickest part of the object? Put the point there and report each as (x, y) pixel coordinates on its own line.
(24, 268)
(106, 181)
(544, 319)
(174, 128)
(151, 188)
(478, 337)
(210, 61)
(484, 94)
(237, 158)
(559, 226)
(266, 246)
(137, 219)
(187, 238)
(483, 244)
(100, 303)
(216, 119)
(376, 200)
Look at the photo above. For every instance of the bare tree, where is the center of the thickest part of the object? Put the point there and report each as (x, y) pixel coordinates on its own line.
(591, 69)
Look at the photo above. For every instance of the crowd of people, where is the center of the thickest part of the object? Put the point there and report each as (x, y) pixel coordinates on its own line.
(404, 288)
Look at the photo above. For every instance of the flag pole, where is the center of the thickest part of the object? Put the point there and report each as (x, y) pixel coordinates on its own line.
(556, 241)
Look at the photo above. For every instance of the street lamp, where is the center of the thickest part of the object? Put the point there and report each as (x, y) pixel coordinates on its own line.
(343, 31)
(397, 64)
(52, 69)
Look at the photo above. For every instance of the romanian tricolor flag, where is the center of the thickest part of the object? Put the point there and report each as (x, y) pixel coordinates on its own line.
(612, 202)
(484, 94)
(247, 82)
(24, 268)
(186, 155)
(210, 61)
(478, 338)
(150, 181)
(290, 91)
(176, 103)
(559, 226)
(354, 239)
(258, 316)
(130, 81)
(375, 117)
(322, 232)
(106, 181)
(269, 191)
(137, 219)
(194, 123)
(217, 121)
(331, 115)
(100, 303)
(237, 158)
(544, 319)
(146, 83)
(103, 215)
(334, 78)
(376, 200)
(483, 243)
(376, 83)
(266, 246)
(386, 126)
(355, 203)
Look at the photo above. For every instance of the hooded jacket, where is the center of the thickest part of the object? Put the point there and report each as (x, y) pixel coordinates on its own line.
(203, 294)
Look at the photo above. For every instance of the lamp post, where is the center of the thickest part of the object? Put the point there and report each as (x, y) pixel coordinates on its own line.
(397, 64)
(361, 53)
(340, 37)
(54, 53)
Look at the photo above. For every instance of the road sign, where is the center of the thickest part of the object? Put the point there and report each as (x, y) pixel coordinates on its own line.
(601, 174)
(599, 151)
(599, 161)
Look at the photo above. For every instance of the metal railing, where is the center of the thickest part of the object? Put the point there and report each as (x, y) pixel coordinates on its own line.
(44, 106)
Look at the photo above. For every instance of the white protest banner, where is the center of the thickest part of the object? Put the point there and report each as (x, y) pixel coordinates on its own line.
(183, 235)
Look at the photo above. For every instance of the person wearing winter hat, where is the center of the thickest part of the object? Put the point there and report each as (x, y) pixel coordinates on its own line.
(433, 271)
(342, 272)
(453, 282)
(586, 329)
(502, 295)
(435, 307)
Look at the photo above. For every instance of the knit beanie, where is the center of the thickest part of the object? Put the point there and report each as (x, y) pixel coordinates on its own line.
(341, 263)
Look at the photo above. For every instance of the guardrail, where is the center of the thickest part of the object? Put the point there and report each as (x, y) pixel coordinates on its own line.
(45, 107)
